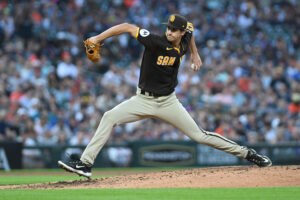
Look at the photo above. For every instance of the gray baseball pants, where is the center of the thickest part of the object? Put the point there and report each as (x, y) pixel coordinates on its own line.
(166, 108)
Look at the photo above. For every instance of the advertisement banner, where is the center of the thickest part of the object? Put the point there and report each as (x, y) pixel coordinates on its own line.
(164, 154)
(208, 156)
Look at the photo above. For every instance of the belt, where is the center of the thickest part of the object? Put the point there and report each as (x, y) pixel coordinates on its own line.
(151, 94)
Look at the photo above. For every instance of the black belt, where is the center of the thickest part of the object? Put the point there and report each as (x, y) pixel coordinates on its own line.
(151, 94)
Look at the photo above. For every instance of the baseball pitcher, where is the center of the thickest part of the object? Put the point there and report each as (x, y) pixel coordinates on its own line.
(155, 96)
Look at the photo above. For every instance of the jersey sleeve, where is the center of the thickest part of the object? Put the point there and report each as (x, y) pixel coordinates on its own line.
(188, 35)
(146, 38)
(189, 31)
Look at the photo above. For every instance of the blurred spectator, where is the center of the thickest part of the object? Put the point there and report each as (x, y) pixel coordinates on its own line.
(7, 24)
(61, 126)
(251, 72)
(294, 106)
(3, 125)
(66, 68)
(47, 139)
(80, 140)
(31, 157)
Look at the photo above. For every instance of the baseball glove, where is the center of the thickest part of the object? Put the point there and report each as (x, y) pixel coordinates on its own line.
(92, 50)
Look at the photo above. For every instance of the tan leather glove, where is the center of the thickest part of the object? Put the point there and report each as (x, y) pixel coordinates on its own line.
(92, 51)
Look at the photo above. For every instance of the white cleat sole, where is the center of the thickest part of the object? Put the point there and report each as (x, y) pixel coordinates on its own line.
(72, 170)
(268, 159)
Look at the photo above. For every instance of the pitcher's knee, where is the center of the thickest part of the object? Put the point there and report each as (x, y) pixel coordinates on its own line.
(109, 116)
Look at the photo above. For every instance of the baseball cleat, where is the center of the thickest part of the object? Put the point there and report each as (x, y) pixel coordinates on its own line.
(259, 160)
(77, 167)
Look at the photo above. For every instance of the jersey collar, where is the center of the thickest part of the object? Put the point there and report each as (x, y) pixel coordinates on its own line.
(177, 49)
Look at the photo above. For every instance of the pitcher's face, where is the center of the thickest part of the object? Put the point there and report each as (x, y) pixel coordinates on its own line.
(174, 34)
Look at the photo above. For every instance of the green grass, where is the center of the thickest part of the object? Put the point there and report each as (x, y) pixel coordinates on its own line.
(284, 193)
(17, 180)
(115, 169)
(37, 176)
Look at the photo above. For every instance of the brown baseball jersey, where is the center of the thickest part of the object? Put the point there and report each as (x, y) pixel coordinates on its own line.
(155, 98)
(161, 61)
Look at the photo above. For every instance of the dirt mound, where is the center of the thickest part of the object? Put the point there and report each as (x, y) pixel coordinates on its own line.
(237, 176)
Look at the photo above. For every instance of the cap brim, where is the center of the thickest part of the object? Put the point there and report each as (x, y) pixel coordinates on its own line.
(171, 25)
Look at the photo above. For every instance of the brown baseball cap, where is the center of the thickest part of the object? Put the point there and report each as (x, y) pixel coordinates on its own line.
(177, 21)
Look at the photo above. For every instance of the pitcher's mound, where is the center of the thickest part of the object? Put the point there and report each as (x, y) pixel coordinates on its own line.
(237, 176)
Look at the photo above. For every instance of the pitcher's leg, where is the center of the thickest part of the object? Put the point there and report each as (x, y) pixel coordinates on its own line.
(177, 115)
(131, 110)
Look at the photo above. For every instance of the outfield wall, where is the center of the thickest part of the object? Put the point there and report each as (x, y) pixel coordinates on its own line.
(142, 154)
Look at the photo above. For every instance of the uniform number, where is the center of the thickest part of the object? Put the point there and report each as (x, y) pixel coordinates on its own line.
(165, 60)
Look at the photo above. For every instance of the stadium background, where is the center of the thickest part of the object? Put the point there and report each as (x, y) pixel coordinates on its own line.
(247, 90)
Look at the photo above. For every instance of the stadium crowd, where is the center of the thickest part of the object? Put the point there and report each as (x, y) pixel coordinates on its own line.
(247, 90)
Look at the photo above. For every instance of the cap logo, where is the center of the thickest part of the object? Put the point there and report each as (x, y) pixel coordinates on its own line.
(172, 18)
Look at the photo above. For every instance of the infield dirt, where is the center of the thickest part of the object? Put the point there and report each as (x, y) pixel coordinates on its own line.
(235, 176)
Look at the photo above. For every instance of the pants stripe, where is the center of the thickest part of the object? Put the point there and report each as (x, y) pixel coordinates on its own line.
(217, 135)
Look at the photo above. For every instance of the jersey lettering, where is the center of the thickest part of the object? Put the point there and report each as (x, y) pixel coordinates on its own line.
(165, 60)
(172, 60)
(159, 60)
